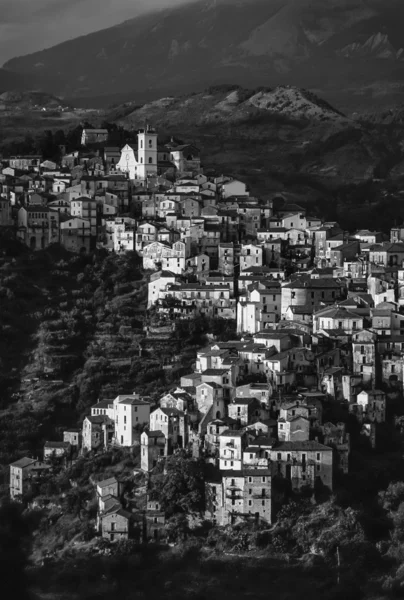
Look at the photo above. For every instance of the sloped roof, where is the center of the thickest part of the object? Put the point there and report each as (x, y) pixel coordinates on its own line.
(308, 445)
(107, 482)
(23, 462)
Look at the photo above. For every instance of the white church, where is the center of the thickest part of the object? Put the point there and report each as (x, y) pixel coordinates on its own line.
(142, 163)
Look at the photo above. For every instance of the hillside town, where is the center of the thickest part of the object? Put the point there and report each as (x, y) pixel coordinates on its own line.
(318, 313)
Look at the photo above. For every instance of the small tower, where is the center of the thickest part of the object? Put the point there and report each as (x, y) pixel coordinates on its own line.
(147, 153)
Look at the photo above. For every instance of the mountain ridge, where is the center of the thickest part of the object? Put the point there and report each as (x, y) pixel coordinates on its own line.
(260, 42)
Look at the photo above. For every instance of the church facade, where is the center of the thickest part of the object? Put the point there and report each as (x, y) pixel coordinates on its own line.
(141, 163)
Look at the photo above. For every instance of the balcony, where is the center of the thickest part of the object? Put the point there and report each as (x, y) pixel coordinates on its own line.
(234, 494)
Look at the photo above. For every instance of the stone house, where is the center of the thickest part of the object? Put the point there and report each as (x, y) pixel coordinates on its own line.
(130, 413)
(225, 378)
(94, 136)
(56, 450)
(209, 396)
(303, 463)
(108, 487)
(146, 234)
(38, 226)
(294, 429)
(153, 448)
(337, 318)
(178, 399)
(20, 471)
(306, 292)
(392, 370)
(244, 410)
(117, 525)
(364, 355)
(173, 424)
(158, 283)
(240, 495)
(214, 429)
(226, 257)
(251, 256)
(155, 521)
(261, 391)
(98, 432)
(387, 254)
(72, 437)
(231, 447)
(373, 403)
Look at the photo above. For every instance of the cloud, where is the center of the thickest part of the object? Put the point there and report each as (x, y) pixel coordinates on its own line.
(30, 25)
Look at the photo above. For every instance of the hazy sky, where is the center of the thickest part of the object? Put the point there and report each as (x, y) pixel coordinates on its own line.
(30, 25)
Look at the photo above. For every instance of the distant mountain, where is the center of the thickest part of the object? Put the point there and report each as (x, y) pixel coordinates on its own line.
(286, 131)
(231, 104)
(343, 48)
(25, 100)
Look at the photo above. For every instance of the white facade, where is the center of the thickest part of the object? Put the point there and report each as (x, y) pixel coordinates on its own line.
(158, 283)
(130, 412)
(143, 164)
(231, 451)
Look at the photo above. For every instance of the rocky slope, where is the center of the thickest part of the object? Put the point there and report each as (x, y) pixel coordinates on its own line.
(328, 45)
(232, 104)
(285, 131)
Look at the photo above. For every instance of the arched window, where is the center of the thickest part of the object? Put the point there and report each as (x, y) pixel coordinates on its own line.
(150, 143)
(141, 143)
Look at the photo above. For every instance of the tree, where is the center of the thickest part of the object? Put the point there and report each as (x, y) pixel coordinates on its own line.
(76, 501)
(181, 488)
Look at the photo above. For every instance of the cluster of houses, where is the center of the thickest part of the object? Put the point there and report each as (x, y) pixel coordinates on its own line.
(89, 198)
(318, 312)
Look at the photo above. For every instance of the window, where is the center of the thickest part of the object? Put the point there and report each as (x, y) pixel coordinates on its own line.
(251, 455)
(362, 349)
(263, 503)
(112, 526)
(318, 456)
(250, 503)
(393, 368)
(250, 480)
(288, 457)
(281, 426)
(150, 160)
(233, 502)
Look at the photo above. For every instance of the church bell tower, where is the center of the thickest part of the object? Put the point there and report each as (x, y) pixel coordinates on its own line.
(147, 152)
